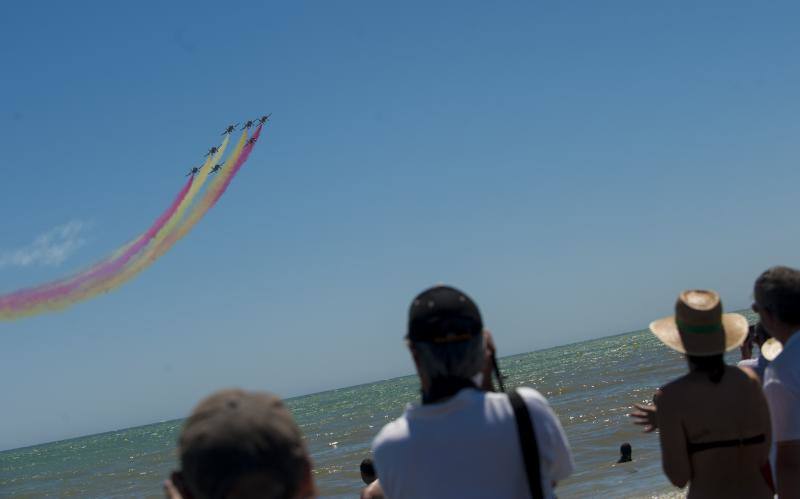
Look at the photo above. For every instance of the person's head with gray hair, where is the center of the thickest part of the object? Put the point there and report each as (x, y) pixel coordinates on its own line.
(446, 339)
(777, 301)
(237, 445)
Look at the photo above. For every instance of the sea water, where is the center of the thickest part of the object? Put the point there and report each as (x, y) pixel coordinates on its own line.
(591, 386)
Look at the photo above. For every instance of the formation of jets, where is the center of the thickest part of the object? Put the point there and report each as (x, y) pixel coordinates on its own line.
(229, 130)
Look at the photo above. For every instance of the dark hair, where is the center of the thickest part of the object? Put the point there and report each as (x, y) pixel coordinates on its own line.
(712, 365)
(760, 333)
(368, 471)
(625, 449)
(367, 466)
(778, 290)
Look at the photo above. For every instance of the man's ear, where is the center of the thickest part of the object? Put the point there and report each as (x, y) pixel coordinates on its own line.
(422, 378)
(414, 356)
(768, 320)
(178, 487)
(307, 487)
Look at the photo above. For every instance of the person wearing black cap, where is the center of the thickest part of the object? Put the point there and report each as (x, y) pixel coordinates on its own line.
(462, 441)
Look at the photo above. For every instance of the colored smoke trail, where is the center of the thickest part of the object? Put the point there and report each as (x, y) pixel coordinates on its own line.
(136, 256)
(245, 154)
(101, 270)
(232, 165)
(115, 280)
(202, 176)
(217, 187)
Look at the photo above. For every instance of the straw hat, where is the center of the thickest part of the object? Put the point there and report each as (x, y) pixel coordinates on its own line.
(699, 327)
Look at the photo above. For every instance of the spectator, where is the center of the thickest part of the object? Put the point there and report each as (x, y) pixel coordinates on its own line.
(367, 471)
(462, 441)
(239, 444)
(777, 302)
(760, 337)
(747, 345)
(714, 422)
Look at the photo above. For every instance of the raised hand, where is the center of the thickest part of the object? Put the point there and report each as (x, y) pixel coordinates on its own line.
(645, 415)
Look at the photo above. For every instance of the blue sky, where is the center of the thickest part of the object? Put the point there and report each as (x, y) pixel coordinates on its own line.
(571, 166)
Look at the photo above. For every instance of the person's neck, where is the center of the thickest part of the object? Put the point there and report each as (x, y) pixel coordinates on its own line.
(789, 332)
(785, 333)
(441, 389)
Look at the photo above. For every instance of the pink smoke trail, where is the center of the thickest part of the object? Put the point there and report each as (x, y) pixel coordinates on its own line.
(159, 247)
(99, 271)
(209, 200)
(245, 154)
(155, 246)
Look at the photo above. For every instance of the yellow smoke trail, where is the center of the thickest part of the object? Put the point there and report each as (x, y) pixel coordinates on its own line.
(12, 314)
(187, 201)
(138, 264)
(207, 200)
(161, 244)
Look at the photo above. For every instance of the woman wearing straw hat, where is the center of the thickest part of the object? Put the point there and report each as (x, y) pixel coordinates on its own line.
(714, 421)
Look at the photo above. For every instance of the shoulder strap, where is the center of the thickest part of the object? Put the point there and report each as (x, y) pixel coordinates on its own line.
(527, 440)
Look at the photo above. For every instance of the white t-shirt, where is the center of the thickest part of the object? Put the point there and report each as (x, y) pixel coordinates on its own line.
(782, 389)
(468, 447)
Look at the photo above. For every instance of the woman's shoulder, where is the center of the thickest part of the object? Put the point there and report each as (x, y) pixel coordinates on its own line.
(692, 382)
(679, 384)
(674, 390)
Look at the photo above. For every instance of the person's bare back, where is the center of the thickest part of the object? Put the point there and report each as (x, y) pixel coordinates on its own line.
(716, 435)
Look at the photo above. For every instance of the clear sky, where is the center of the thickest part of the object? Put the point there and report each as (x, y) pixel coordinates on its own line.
(572, 166)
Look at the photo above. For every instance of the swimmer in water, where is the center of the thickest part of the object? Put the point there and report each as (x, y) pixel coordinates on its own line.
(368, 471)
(625, 451)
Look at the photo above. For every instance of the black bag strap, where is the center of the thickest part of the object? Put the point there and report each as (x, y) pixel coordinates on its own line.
(527, 440)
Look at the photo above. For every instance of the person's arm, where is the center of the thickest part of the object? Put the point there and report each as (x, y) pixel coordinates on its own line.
(557, 460)
(787, 469)
(174, 486)
(373, 491)
(170, 490)
(674, 454)
(758, 403)
(646, 415)
(563, 465)
(784, 408)
(489, 357)
(746, 349)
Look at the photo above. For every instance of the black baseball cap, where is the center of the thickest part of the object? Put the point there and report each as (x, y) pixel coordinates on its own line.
(443, 314)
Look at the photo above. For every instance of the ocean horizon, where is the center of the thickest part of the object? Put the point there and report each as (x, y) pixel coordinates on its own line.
(591, 385)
